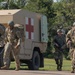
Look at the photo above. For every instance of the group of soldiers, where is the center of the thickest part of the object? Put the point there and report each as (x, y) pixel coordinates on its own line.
(61, 41)
(12, 40)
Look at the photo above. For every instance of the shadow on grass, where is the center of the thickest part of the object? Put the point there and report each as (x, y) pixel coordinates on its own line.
(20, 69)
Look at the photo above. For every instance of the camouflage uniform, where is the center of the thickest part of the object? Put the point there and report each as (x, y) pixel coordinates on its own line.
(12, 38)
(70, 39)
(2, 30)
(59, 42)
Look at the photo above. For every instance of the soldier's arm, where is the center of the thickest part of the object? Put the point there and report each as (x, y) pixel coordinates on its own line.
(19, 38)
(68, 36)
(5, 35)
(68, 39)
(55, 43)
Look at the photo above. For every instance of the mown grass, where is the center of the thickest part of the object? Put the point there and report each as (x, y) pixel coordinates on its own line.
(49, 64)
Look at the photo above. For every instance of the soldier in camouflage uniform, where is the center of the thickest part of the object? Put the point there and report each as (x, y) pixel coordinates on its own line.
(2, 31)
(12, 45)
(59, 42)
(70, 39)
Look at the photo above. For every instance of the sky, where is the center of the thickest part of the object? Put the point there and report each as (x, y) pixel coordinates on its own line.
(55, 0)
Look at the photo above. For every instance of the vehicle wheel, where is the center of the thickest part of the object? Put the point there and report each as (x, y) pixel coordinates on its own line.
(35, 62)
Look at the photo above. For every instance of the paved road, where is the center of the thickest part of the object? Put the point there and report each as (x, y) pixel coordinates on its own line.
(27, 72)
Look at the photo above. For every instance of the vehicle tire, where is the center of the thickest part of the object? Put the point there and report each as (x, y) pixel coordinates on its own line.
(35, 62)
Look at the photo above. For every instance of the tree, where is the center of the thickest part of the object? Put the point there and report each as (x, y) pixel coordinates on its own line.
(13, 4)
(65, 13)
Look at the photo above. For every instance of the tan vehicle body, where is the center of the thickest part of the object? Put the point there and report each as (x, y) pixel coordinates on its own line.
(31, 42)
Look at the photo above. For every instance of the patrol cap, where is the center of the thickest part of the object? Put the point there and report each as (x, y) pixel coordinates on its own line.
(11, 23)
(61, 27)
(74, 24)
(59, 30)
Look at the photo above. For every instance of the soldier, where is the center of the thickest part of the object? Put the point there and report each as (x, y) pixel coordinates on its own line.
(59, 42)
(70, 40)
(2, 31)
(12, 45)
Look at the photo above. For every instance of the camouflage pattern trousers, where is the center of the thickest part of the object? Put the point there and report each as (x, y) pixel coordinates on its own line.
(9, 48)
(58, 56)
(72, 56)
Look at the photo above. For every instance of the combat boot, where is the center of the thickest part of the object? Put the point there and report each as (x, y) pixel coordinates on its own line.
(17, 68)
(4, 68)
(58, 67)
(72, 70)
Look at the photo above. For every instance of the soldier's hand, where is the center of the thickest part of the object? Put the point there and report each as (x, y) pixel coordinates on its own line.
(16, 47)
(69, 42)
(56, 44)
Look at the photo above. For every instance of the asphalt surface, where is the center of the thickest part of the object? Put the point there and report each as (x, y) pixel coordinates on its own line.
(29, 72)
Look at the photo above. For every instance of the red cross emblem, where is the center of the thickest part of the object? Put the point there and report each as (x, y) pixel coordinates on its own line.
(29, 28)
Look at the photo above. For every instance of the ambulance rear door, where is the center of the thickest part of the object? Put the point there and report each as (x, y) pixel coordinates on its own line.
(44, 29)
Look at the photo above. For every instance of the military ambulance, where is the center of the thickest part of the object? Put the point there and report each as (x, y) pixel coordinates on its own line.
(34, 37)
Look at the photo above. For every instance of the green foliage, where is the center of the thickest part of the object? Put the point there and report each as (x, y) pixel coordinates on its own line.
(1, 0)
(65, 13)
(13, 5)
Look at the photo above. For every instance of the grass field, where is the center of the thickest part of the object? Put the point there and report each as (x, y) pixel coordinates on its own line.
(49, 65)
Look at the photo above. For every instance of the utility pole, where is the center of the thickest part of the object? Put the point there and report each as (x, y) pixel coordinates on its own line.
(8, 4)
